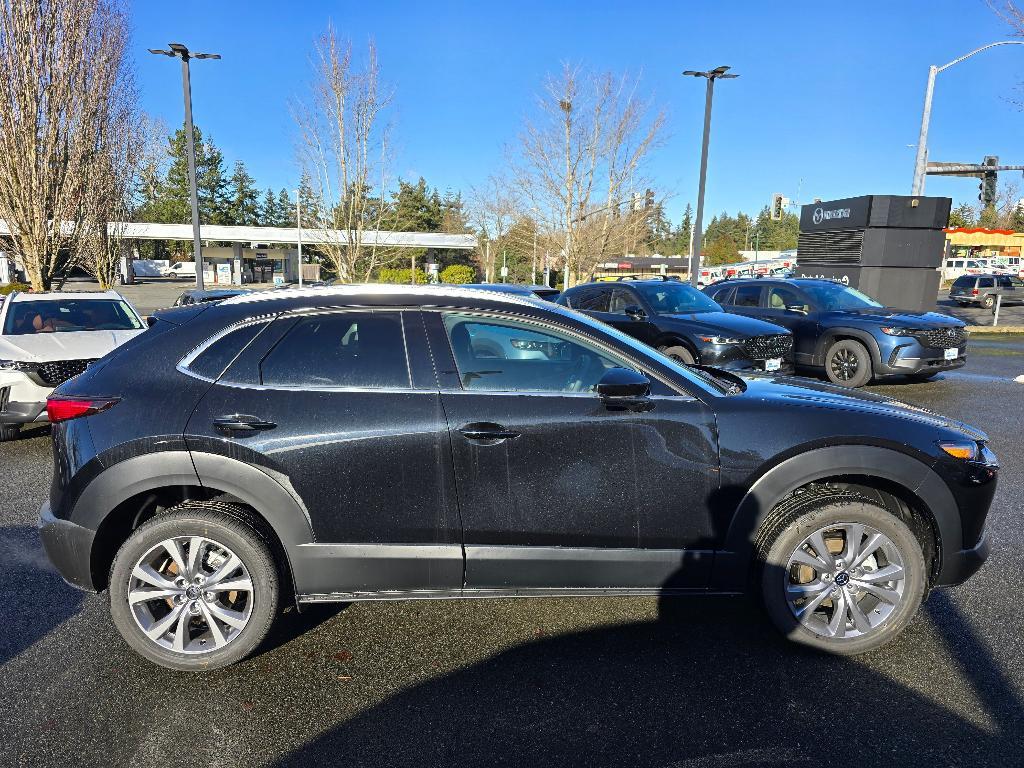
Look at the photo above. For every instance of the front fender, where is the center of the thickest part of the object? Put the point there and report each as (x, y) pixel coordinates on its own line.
(732, 565)
(864, 337)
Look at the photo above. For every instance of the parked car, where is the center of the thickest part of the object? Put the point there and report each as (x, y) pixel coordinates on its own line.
(541, 291)
(195, 296)
(983, 290)
(683, 323)
(846, 334)
(180, 269)
(47, 338)
(347, 444)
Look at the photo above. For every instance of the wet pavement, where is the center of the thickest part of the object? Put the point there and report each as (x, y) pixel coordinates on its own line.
(539, 682)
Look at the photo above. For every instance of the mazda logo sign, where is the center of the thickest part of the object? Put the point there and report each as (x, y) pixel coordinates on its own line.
(819, 216)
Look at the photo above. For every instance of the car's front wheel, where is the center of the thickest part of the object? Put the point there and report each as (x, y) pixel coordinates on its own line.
(841, 573)
(678, 353)
(848, 363)
(194, 588)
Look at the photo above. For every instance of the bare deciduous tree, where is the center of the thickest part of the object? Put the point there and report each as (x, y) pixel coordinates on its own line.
(492, 211)
(344, 151)
(582, 161)
(63, 88)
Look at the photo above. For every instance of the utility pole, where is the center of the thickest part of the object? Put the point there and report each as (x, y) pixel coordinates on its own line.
(921, 160)
(181, 52)
(298, 222)
(718, 73)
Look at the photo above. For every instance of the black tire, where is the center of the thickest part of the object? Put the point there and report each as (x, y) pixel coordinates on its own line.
(848, 363)
(679, 353)
(9, 432)
(222, 524)
(988, 302)
(814, 512)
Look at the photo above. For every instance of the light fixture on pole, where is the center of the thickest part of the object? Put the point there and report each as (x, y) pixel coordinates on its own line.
(921, 161)
(298, 223)
(181, 52)
(718, 73)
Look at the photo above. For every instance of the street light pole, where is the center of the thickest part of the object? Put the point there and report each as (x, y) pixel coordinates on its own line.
(298, 223)
(711, 75)
(180, 51)
(921, 160)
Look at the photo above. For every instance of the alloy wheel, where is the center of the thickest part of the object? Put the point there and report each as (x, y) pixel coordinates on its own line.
(844, 364)
(844, 580)
(190, 594)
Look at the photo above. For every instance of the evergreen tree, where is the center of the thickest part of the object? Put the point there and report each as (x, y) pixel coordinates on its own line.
(684, 231)
(285, 210)
(243, 208)
(268, 209)
(963, 216)
(212, 184)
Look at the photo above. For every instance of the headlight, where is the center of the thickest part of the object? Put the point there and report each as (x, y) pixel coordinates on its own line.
(967, 450)
(17, 365)
(719, 340)
(900, 331)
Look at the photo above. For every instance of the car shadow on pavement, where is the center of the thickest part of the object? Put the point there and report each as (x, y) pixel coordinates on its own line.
(34, 599)
(706, 684)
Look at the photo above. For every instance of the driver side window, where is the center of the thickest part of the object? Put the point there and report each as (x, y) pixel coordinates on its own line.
(784, 298)
(499, 355)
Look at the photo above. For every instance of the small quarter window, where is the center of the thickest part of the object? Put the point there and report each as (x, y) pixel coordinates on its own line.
(214, 360)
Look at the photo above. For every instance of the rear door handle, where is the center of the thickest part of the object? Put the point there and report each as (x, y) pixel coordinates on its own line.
(242, 424)
(487, 431)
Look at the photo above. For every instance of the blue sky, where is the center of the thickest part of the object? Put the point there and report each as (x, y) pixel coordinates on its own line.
(828, 100)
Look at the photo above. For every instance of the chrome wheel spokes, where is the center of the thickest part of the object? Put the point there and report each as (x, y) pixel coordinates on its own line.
(844, 580)
(190, 594)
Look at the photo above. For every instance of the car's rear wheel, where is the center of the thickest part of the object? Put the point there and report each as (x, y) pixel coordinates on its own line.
(9, 431)
(848, 363)
(194, 588)
(841, 574)
(988, 302)
(679, 353)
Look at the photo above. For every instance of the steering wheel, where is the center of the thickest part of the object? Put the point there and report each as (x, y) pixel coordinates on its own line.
(574, 382)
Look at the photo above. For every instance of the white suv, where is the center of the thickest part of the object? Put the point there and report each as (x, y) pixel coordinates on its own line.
(46, 339)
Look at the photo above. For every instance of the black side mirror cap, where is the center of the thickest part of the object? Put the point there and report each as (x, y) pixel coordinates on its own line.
(633, 312)
(623, 383)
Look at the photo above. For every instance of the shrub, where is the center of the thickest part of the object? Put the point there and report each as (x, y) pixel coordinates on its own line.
(400, 276)
(12, 287)
(458, 274)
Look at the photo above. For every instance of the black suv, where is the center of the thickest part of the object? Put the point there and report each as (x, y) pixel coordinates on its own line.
(846, 334)
(983, 289)
(296, 447)
(681, 322)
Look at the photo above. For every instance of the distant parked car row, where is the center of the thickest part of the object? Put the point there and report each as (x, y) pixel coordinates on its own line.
(983, 290)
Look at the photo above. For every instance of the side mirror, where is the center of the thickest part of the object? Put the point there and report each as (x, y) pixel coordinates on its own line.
(633, 312)
(798, 308)
(624, 389)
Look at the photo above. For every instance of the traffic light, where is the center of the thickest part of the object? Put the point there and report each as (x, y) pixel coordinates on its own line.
(777, 206)
(987, 189)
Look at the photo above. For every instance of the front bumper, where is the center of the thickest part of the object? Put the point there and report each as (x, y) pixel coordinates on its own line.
(69, 548)
(729, 357)
(958, 567)
(909, 357)
(22, 401)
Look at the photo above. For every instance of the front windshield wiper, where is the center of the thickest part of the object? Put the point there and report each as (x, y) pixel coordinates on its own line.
(732, 383)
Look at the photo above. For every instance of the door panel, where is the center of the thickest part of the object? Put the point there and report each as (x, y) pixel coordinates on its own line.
(561, 469)
(368, 456)
(804, 325)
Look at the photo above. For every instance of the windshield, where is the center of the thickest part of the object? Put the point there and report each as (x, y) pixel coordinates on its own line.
(70, 315)
(673, 298)
(833, 296)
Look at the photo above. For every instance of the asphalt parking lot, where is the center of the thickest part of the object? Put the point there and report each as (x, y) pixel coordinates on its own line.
(622, 681)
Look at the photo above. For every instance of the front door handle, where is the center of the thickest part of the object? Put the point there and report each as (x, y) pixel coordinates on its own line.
(487, 431)
(240, 423)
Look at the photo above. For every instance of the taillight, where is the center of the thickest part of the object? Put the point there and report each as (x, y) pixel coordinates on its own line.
(65, 408)
(974, 292)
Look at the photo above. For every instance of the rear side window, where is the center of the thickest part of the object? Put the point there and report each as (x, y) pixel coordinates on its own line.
(986, 282)
(214, 360)
(748, 296)
(343, 349)
(589, 300)
(964, 282)
(723, 295)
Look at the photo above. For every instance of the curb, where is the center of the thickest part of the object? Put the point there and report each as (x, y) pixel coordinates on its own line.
(982, 329)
